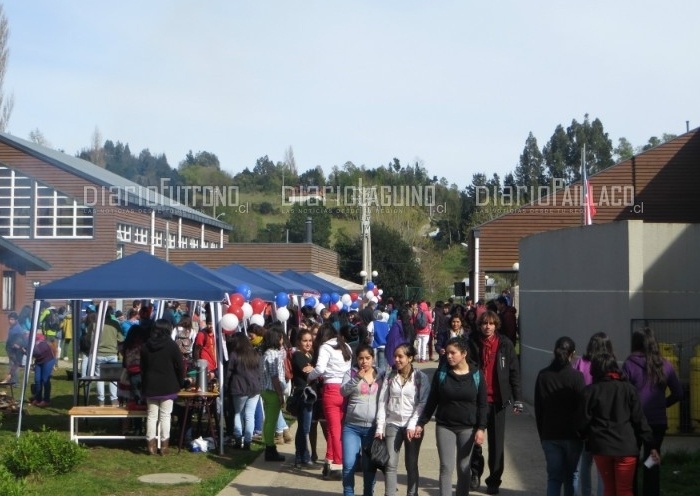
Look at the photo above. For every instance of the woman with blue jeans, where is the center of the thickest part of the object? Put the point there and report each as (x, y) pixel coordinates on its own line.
(402, 400)
(360, 388)
(44, 361)
(301, 366)
(243, 381)
(557, 392)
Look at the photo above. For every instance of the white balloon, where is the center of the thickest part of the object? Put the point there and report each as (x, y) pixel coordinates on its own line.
(319, 307)
(381, 292)
(374, 299)
(283, 314)
(346, 299)
(257, 319)
(247, 310)
(369, 295)
(229, 322)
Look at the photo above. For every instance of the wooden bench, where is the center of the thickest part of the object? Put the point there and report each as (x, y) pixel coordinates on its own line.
(85, 412)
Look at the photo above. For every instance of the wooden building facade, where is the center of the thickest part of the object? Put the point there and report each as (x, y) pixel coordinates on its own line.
(658, 185)
(75, 215)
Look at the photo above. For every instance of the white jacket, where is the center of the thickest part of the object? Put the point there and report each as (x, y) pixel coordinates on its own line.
(330, 364)
(402, 405)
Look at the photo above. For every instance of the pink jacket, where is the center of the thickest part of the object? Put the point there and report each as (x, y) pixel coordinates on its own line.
(423, 307)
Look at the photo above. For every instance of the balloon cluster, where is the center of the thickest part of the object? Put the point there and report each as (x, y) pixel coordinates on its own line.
(242, 309)
(373, 293)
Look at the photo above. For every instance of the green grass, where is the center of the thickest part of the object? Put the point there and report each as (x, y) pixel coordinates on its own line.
(113, 467)
(680, 474)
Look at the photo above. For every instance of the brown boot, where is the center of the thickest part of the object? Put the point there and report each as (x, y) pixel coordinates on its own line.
(287, 436)
(152, 446)
(279, 438)
(164, 447)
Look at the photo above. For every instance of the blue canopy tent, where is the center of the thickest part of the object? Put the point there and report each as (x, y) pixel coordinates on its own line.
(313, 281)
(229, 281)
(115, 280)
(263, 279)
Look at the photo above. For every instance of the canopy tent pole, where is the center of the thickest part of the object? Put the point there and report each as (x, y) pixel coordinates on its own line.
(76, 308)
(217, 313)
(27, 366)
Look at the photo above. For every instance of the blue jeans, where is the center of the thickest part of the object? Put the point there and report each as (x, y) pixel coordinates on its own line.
(380, 359)
(244, 416)
(42, 380)
(281, 424)
(259, 416)
(357, 439)
(100, 384)
(582, 479)
(562, 457)
(301, 443)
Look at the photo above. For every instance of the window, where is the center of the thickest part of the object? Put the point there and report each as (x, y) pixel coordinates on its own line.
(59, 216)
(205, 243)
(172, 238)
(213, 245)
(194, 243)
(141, 235)
(8, 290)
(184, 240)
(158, 238)
(15, 204)
(124, 233)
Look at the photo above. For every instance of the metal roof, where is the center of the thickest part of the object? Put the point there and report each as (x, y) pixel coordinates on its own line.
(134, 193)
(20, 259)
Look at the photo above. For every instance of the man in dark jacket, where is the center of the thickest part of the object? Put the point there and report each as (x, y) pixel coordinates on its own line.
(501, 370)
(509, 321)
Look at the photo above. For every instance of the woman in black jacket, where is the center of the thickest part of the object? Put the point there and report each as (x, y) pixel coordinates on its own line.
(161, 377)
(613, 424)
(244, 385)
(557, 391)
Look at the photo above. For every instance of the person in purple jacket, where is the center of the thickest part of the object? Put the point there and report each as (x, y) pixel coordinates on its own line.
(651, 375)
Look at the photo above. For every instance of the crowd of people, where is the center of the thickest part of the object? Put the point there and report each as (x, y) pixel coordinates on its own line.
(353, 374)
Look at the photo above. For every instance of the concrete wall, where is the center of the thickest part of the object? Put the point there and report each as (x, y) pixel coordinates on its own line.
(578, 281)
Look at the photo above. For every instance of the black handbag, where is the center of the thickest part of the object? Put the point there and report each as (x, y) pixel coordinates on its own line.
(379, 453)
(294, 402)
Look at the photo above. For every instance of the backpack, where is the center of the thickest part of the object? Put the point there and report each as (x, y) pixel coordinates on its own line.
(442, 373)
(288, 374)
(184, 341)
(421, 320)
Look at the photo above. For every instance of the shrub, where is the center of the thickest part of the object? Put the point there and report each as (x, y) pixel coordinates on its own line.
(45, 453)
(10, 485)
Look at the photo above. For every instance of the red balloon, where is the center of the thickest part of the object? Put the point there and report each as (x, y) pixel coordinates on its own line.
(353, 296)
(237, 299)
(375, 290)
(237, 311)
(258, 305)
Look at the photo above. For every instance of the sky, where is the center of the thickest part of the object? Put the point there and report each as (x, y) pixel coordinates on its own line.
(455, 85)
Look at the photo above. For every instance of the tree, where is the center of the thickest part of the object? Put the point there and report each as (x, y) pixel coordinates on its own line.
(530, 169)
(320, 223)
(555, 154)
(624, 150)
(6, 102)
(289, 162)
(201, 159)
(392, 258)
(36, 136)
(97, 152)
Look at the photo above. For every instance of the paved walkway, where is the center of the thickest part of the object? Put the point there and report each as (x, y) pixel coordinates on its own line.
(525, 472)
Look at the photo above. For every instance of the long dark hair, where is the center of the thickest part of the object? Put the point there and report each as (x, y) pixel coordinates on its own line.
(563, 350)
(246, 354)
(604, 364)
(645, 343)
(599, 343)
(327, 332)
(272, 338)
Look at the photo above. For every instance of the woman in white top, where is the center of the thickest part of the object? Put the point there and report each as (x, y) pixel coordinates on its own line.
(401, 402)
(333, 361)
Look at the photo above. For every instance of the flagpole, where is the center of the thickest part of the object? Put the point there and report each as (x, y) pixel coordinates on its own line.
(584, 186)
